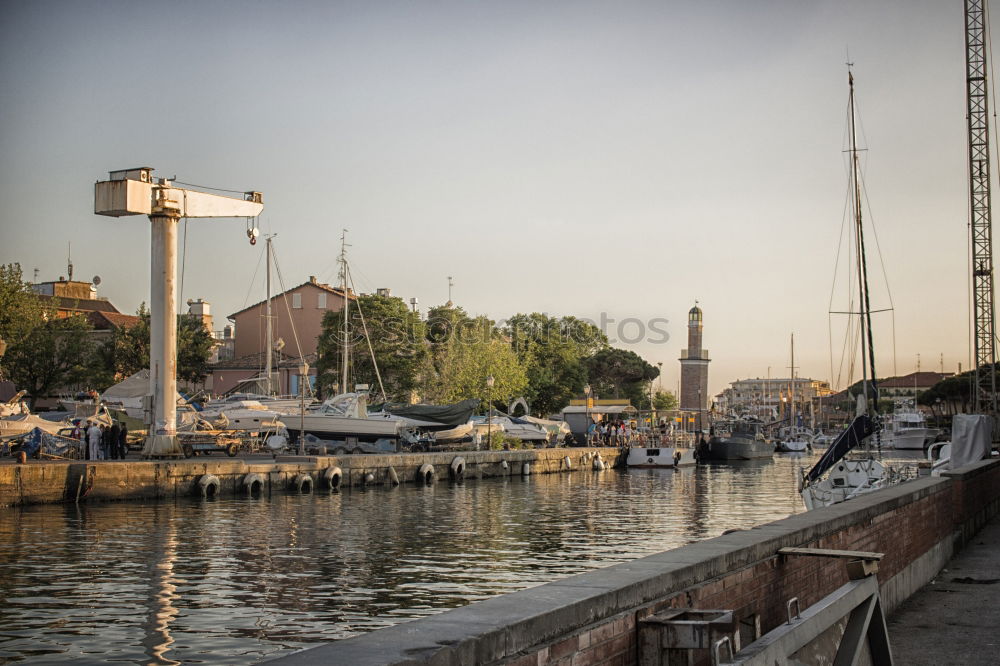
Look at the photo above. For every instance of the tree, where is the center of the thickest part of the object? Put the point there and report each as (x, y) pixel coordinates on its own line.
(622, 373)
(21, 310)
(58, 353)
(466, 363)
(553, 352)
(194, 348)
(664, 401)
(397, 337)
(126, 352)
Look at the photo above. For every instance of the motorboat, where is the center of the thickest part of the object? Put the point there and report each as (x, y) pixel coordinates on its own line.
(659, 457)
(742, 439)
(342, 417)
(794, 440)
(907, 427)
(249, 415)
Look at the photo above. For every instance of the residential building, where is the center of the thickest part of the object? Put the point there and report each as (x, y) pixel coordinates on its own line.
(911, 385)
(296, 319)
(770, 398)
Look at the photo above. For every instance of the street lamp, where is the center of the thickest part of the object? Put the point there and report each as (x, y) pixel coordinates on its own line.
(303, 378)
(586, 423)
(489, 412)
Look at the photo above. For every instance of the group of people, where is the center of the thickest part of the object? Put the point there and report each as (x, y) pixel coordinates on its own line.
(611, 433)
(102, 442)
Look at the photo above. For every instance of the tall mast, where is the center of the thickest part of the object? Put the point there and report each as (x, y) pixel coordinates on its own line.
(343, 291)
(792, 384)
(984, 399)
(867, 341)
(268, 360)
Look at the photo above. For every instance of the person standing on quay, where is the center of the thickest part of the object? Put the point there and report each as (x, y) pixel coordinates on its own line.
(105, 443)
(123, 441)
(94, 442)
(113, 434)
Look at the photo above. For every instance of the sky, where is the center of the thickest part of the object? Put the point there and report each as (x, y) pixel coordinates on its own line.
(606, 160)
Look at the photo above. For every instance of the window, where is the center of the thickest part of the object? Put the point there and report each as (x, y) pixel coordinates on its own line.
(321, 301)
(297, 301)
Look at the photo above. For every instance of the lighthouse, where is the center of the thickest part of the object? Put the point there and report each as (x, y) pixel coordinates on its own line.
(694, 368)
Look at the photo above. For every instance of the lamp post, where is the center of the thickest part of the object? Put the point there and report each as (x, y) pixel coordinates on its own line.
(489, 411)
(303, 378)
(586, 409)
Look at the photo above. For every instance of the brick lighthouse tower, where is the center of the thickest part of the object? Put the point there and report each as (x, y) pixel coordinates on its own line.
(694, 369)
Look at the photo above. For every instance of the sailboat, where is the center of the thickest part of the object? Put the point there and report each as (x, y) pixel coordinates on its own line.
(836, 478)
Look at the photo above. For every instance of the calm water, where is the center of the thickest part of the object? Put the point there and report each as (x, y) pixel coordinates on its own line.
(238, 580)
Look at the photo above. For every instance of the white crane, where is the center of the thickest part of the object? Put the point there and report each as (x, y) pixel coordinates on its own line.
(133, 192)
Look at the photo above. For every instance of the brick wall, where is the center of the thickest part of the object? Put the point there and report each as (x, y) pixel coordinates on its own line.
(591, 619)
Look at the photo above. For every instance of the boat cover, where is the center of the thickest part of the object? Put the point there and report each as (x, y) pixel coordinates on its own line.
(860, 428)
(452, 415)
(39, 440)
(971, 438)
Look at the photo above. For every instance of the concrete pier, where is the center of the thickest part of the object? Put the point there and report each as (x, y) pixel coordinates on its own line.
(38, 482)
(954, 618)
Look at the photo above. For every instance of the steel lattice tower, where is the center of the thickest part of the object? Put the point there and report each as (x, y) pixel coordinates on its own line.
(985, 398)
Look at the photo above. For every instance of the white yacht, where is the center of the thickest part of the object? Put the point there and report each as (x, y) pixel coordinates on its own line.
(344, 416)
(907, 427)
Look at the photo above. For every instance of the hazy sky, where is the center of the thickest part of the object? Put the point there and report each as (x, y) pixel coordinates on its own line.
(575, 157)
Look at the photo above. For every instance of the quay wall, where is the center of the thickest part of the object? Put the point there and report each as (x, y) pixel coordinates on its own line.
(46, 482)
(593, 618)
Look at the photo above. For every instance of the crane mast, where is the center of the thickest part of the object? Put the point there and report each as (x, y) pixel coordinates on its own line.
(984, 397)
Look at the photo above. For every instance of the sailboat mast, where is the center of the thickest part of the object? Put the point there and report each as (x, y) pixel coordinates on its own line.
(792, 383)
(867, 341)
(268, 359)
(343, 291)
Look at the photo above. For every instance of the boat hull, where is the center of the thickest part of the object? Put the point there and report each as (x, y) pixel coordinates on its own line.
(663, 457)
(913, 438)
(737, 448)
(333, 428)
(792, 447)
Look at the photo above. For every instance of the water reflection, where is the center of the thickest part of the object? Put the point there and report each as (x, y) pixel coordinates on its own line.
(236, 580)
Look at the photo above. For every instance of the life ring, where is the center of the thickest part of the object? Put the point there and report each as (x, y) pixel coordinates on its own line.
(426, 474)
(208, 485)
(457, 468)
(302, 483)
(232, 450)
(252, 483)
(332, 476)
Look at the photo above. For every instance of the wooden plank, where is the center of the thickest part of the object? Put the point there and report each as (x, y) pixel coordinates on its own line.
(823, 552)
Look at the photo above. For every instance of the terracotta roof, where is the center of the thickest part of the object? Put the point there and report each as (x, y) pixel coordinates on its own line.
(256, 362)
(320, 285)
(918, 379)
(78, 304)
(103, 321)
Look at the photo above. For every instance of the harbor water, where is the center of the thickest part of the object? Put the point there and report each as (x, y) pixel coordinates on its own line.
(238, 580)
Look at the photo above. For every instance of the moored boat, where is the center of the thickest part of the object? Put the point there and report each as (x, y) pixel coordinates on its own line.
(659, 457)
(742, 439)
